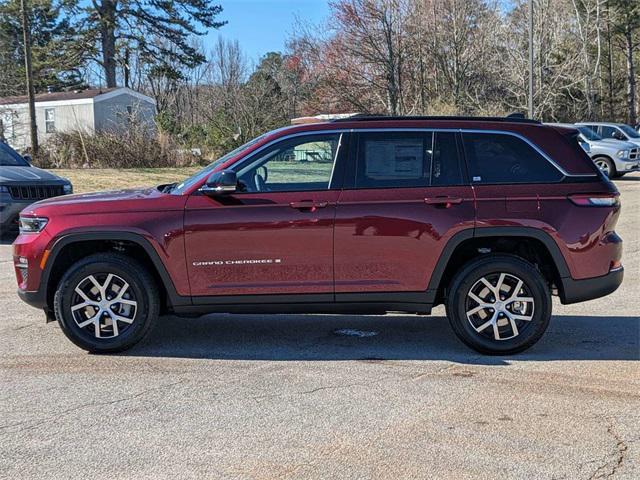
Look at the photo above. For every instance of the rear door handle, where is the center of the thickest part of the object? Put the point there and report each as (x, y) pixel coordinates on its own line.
(443, 201)
(309, 205)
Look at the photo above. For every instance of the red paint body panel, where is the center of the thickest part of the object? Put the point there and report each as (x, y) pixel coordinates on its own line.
(391, 240)
(156, 216)
(296, 243)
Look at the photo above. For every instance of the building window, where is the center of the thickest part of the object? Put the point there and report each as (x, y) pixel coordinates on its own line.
(50, 120)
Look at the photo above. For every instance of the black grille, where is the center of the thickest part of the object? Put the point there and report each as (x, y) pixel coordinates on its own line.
(634, 154)
(36, 192)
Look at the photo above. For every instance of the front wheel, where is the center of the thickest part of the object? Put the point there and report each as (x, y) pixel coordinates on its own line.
(606, 166)
(106, 303)
(499, 304)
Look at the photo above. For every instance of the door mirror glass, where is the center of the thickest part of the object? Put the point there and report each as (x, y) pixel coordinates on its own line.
(220, 183)
(28, 159)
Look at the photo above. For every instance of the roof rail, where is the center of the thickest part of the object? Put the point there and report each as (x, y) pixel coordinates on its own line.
(371, 118)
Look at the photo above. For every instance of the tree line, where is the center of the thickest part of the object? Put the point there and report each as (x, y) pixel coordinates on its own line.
(398, 57)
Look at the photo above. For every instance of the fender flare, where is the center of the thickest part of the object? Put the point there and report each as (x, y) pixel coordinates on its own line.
(485, 232)
(67, 239)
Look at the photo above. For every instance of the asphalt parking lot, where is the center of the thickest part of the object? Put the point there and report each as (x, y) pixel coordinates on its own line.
(253, 396)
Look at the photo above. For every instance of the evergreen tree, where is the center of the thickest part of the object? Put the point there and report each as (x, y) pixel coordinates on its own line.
(107, 25)
(54, 62)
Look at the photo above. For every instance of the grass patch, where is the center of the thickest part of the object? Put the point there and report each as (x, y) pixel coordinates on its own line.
(97, 179)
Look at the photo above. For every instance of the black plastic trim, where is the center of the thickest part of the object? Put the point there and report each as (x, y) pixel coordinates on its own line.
(574, 291)
(39, 298)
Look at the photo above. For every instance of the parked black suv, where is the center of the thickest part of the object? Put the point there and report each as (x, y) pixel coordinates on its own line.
(21, 184)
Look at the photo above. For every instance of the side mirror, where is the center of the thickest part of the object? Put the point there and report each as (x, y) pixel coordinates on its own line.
(219, 183)
(28, 159)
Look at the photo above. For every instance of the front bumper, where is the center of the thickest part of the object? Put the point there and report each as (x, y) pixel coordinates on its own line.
(36, 299)
(9, 212)
(574, 291)
(627, 167)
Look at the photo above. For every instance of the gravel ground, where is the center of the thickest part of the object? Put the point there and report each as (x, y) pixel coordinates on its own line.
(253, 396)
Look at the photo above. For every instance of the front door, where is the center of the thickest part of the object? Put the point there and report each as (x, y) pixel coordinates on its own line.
(275, 235)
(405, 198)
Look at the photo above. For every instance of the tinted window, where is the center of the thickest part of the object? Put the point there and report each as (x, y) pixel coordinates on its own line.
(295, 164)
(502, 158)
(607, 132)
(407, 159)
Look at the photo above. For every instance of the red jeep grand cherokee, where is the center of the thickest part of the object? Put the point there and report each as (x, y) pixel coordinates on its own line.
(488, 216)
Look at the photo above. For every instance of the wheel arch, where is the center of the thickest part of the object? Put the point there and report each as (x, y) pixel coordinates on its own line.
(464, 246)
(69, 247)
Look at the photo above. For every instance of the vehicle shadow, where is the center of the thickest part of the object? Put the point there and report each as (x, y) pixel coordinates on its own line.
(628, 178)
(314, 338)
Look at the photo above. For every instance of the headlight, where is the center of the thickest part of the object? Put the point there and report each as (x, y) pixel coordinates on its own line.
(32, 224)
(67, 188)
(4, 189)
(622, 153)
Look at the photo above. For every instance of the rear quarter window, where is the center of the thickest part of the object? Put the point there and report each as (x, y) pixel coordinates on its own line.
(502, 158)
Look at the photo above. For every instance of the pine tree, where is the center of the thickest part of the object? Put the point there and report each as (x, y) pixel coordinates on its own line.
(138, 25)
(54, 62)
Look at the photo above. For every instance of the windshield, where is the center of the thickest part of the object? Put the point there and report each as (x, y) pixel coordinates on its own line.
(189, 182)
(630, 132)
(9, 158)
(589, 134)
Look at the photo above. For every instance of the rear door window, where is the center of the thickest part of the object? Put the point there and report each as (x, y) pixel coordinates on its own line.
(407, 159)
(497, 158)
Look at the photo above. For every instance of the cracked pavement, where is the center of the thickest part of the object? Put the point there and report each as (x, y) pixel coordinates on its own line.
(274, 396)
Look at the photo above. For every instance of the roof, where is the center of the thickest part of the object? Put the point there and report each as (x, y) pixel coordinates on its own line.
(74, 95)
(513, 118)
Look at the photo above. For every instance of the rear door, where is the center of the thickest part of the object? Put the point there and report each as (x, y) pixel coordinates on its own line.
(405, 196)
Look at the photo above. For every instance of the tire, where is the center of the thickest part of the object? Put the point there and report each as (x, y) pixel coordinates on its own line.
(476, 326)
(126, 315)
(606, 165)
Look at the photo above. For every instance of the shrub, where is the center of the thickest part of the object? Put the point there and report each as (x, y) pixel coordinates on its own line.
(136, 148)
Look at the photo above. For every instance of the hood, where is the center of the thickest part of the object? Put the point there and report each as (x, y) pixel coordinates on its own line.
(107, 203)
(28, 175)
(619, 144)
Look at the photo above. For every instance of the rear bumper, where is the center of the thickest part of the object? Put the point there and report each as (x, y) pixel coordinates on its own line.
(574, 291)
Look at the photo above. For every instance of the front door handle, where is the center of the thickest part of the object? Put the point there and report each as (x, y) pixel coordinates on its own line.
(308, 205)
(445, 202)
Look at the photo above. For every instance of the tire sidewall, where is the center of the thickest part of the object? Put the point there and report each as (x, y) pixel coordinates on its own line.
(146, 309)
(456, 304)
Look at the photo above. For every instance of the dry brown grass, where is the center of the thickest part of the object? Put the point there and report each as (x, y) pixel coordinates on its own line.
(96, 179)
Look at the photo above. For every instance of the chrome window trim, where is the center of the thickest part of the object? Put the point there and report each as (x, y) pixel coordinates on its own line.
(341, 131)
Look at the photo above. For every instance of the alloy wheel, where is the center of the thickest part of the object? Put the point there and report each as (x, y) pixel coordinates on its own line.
(604, 166)
(104, 305)
(499, 306)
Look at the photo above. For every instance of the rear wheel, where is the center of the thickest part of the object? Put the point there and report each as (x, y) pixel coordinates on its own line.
(106, 303)
(499, 304)
(606, 166)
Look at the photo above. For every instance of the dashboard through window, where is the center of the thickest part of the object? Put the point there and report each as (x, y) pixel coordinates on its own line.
(296, 164)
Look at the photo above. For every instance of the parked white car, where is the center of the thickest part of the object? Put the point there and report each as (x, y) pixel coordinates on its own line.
(614, 157)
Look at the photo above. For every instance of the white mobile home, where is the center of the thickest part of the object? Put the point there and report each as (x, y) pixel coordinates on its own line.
(92, 110)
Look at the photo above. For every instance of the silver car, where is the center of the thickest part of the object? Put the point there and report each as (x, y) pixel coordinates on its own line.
(614, 131)
(614, 157)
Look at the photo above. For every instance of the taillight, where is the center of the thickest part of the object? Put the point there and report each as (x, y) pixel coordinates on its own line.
(595, 200)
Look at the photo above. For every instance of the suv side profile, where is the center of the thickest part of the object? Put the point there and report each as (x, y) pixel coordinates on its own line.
(366, 215)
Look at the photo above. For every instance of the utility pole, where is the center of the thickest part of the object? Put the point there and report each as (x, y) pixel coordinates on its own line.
(26, 30)
(530, 58)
